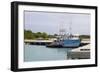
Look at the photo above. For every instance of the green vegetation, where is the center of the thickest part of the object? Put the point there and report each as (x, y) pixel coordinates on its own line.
(84, 36)
(28, 34)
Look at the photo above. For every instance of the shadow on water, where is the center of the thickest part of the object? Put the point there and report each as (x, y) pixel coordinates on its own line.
(83, 44)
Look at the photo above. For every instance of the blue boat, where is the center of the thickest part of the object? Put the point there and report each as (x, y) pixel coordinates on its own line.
(68, 42)
(65, 40)
(71, 43)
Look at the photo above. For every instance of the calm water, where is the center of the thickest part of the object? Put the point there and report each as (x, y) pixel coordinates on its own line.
(43, 53)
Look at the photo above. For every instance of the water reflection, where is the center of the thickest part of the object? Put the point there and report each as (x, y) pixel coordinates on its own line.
(43, 53)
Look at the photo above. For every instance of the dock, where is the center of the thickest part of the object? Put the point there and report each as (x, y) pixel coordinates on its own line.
(38, 42)
(80, 53)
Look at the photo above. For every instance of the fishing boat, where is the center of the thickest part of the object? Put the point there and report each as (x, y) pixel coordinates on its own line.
(71, 42)
(65, 40)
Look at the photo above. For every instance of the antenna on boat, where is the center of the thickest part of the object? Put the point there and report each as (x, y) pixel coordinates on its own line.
(70, 27)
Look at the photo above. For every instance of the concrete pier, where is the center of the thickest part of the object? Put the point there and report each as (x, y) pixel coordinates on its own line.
(38, 42)
(80, 53)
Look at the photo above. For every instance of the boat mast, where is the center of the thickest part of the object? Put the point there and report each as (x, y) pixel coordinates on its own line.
(62, 31)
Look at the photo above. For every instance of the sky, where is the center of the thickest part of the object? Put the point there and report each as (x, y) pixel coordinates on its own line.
(52, 22)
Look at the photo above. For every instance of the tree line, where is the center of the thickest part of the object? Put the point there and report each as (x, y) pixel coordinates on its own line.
(28, 34)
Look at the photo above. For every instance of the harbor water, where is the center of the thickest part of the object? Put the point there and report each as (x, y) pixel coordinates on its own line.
(43, 53)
